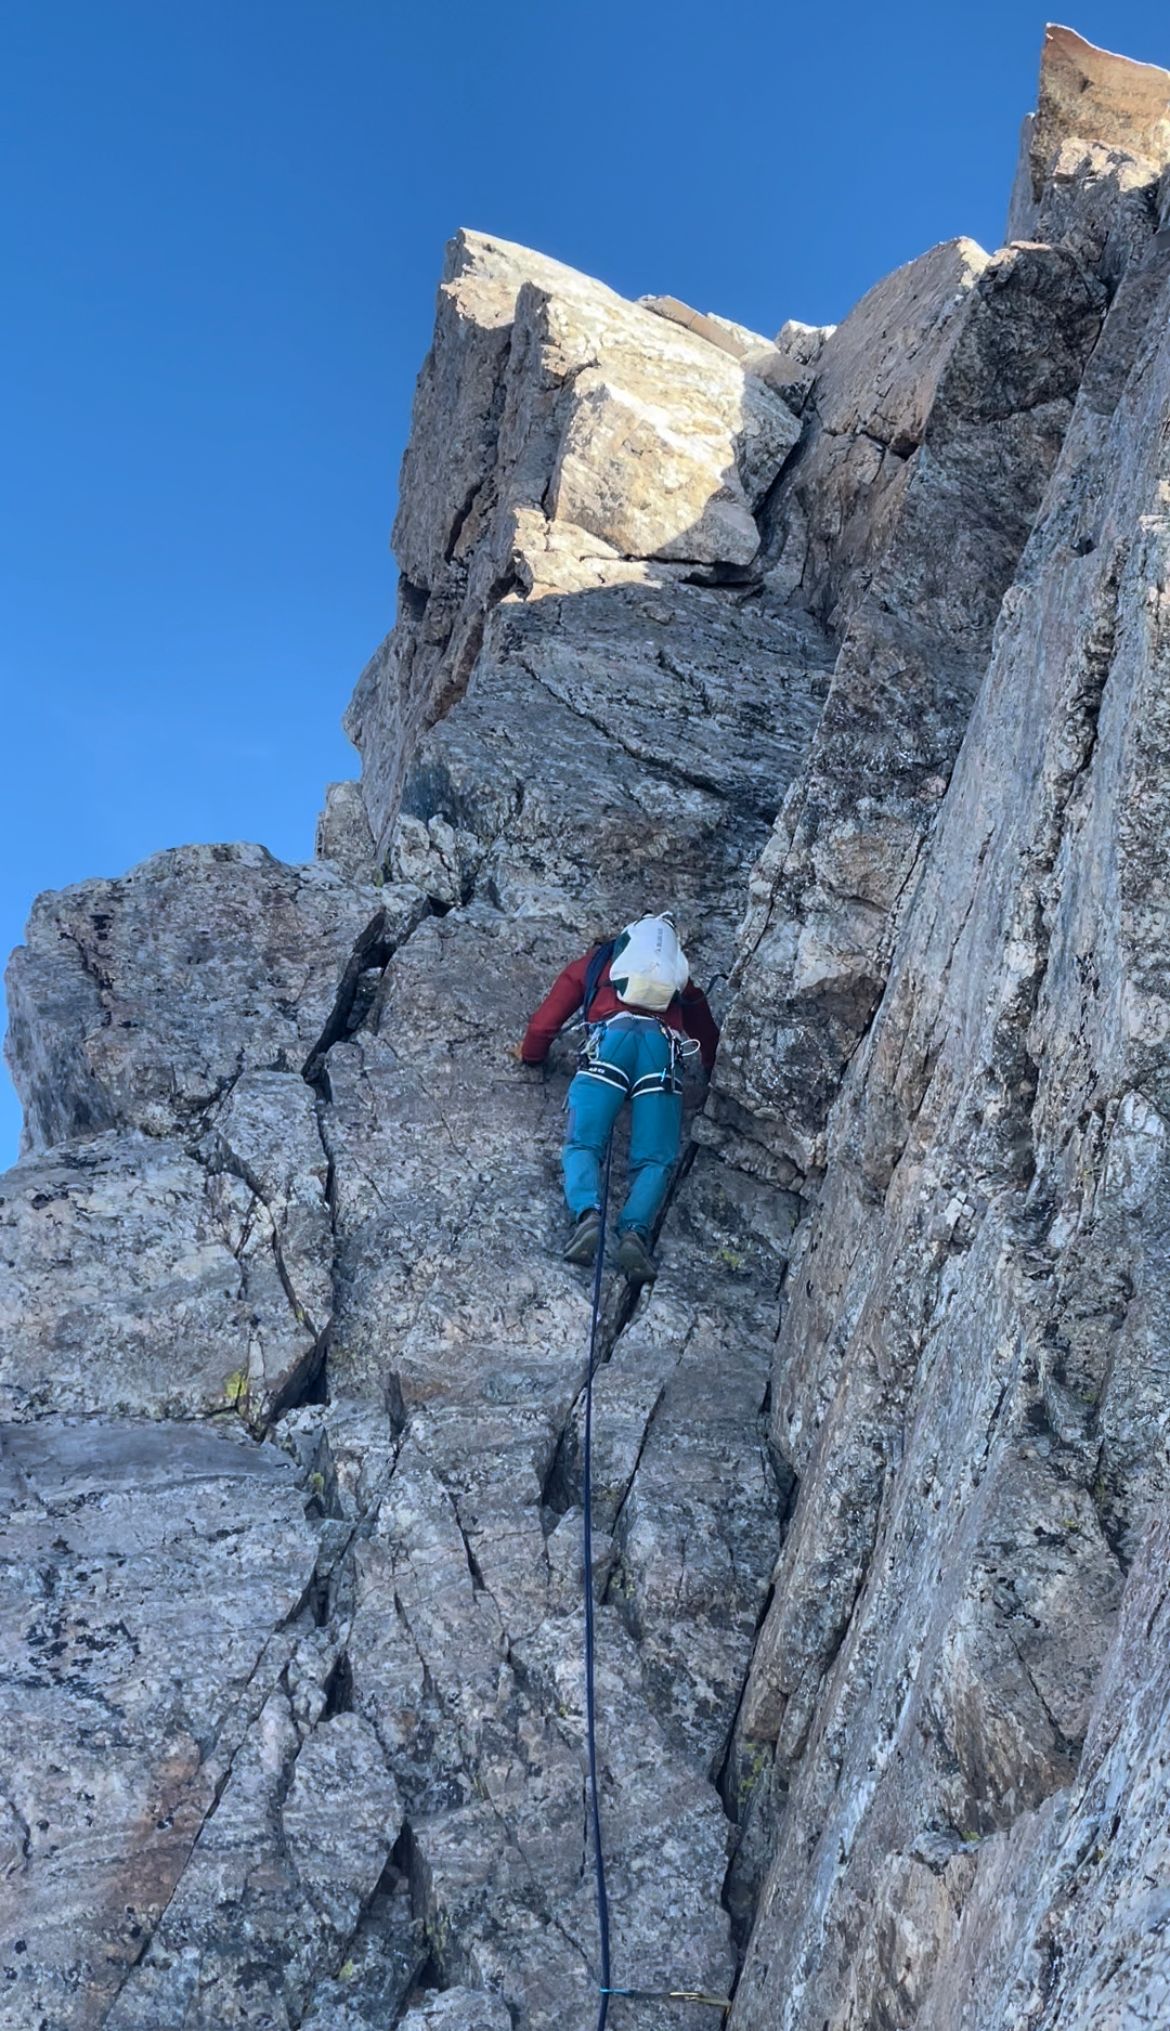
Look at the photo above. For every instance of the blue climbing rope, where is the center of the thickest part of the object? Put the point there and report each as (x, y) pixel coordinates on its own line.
(604, 1989)
(590, 1697)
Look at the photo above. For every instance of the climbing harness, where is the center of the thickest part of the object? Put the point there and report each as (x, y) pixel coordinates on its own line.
(594, 1066)
(590, 1061)
(604, 1988)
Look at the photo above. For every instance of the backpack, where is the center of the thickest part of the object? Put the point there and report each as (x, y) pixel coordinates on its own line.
(653, 965)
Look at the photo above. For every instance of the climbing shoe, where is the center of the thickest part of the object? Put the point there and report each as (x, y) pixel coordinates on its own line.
(582, 1243)
(635, 1258)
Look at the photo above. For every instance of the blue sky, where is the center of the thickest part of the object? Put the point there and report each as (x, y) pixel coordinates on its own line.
(222, 238)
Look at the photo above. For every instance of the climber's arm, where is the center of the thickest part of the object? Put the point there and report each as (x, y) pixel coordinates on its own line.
(698, 1022)
(563, 1000)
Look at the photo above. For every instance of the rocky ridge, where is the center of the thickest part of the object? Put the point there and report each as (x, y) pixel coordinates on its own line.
(852, 645)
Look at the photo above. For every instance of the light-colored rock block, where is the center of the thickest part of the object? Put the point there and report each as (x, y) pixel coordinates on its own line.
(343, 832)
(1089, 94)
(563, 422)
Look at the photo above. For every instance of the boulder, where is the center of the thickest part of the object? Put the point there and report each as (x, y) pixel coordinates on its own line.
(135, 1003)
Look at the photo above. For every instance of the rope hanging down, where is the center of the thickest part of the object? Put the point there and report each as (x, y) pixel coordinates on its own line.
(603, 1988)
(590, 1704)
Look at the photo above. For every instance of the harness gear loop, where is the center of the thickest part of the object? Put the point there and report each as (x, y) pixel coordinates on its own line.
(610, 1075)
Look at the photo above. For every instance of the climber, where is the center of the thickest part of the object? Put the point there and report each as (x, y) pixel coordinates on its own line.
(638, 1002)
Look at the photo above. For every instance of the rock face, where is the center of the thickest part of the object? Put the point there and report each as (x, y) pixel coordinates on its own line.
(294, 1180)
(137, 1003)
(946, 397)
(853, 646)
(544, 404)
(973, 1395)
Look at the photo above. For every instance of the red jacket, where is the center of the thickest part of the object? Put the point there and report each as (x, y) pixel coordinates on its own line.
(688, 1012)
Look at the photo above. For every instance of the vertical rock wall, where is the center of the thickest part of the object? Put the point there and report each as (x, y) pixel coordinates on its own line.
(860, 632)
(953, 1733)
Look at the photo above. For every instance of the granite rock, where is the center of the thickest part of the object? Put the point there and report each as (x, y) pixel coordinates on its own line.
(136, 1002)
(133, 1280)
(1089, 94)
(329, 1206)
(991, 387)
(867, 678)
(343, 832)
(151, 1569)
(574, 426)
(969, 1384)
(459, 2010)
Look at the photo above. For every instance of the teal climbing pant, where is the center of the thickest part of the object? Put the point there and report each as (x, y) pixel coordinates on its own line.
(631, 1059)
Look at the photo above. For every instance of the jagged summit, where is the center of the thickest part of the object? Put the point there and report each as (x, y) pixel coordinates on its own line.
(1093, 94)
(1091, 104)
(853, 643)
